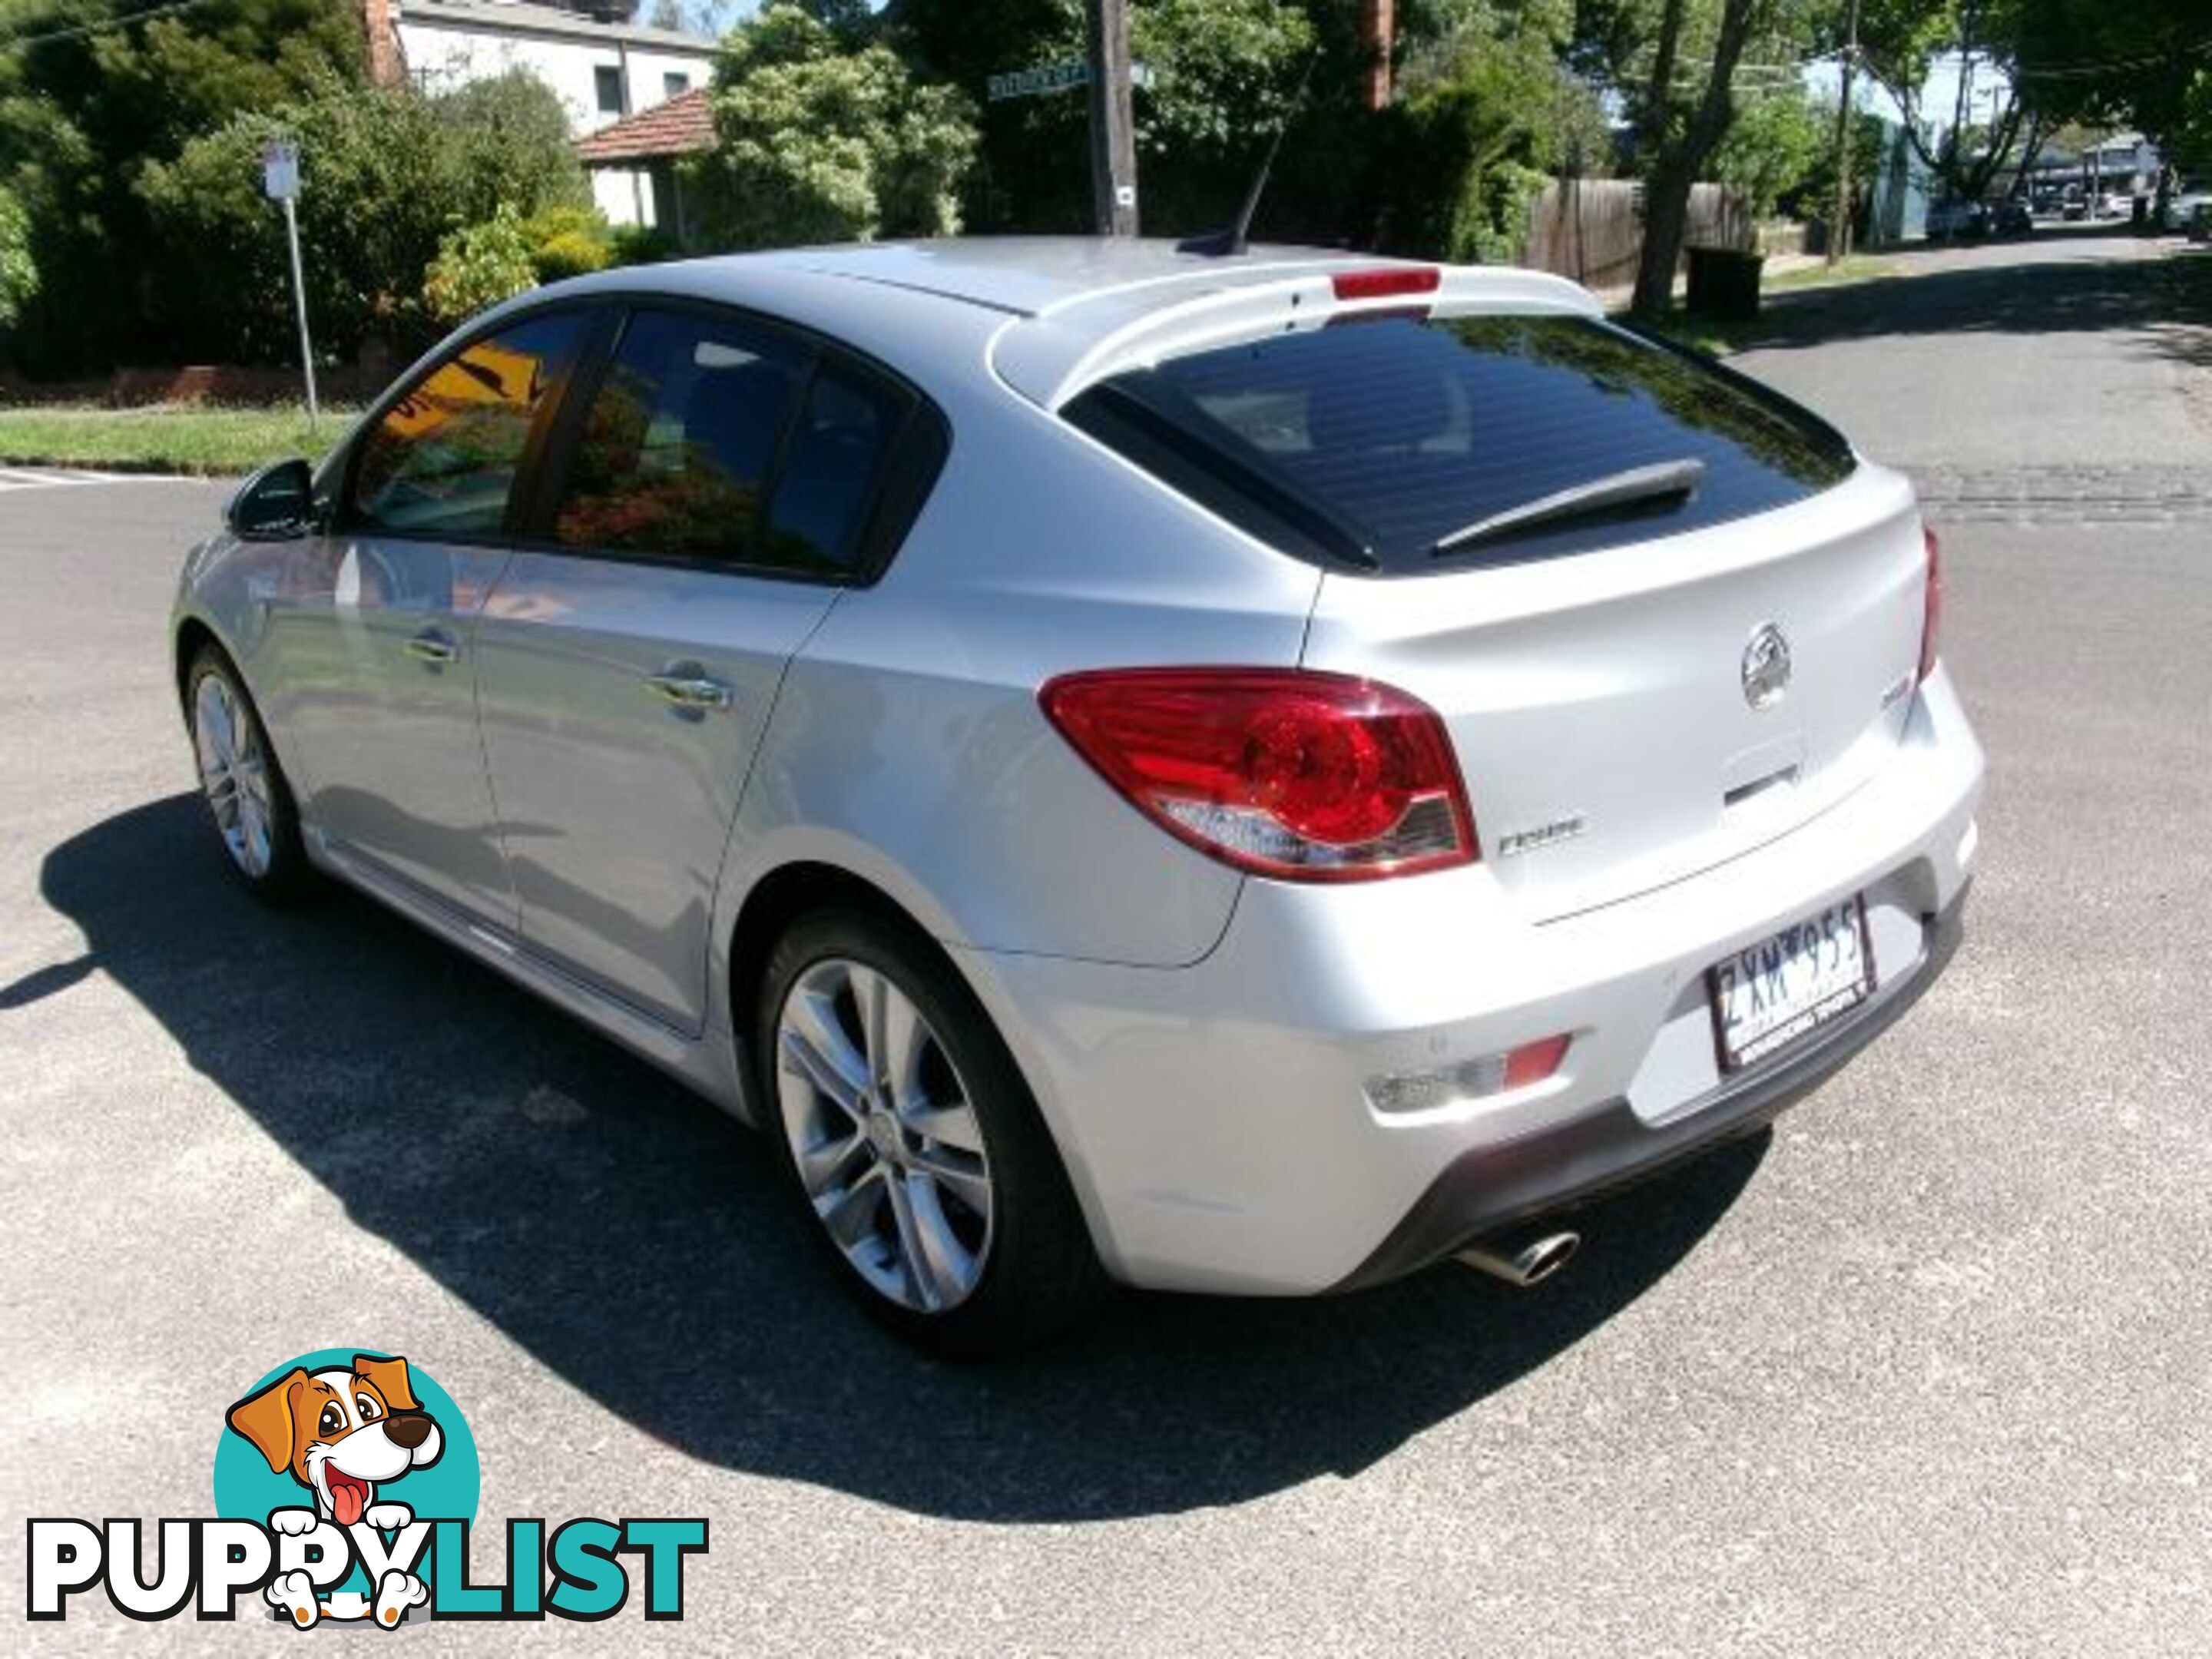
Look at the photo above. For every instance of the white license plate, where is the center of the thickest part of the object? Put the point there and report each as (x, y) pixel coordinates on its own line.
(1793, 983)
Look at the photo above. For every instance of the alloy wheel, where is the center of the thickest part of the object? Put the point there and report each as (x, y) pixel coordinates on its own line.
(884, 1135)
(234, 773)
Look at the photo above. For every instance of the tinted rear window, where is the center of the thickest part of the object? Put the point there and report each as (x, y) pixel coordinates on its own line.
(1369, 443)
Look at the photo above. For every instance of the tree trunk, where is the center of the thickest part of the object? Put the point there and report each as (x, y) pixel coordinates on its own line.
(1666, 215)
(1674, 169)
(1658, 93)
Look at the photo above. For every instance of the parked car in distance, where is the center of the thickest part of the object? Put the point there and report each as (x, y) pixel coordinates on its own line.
(1956, 221)
(2186, 209)
(1252, 773)
(2011, 217)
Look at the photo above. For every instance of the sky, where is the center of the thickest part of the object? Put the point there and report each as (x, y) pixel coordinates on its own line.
(1937, 95)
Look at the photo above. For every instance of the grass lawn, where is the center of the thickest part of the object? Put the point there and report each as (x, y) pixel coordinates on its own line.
(1851, 268)
(176, 438)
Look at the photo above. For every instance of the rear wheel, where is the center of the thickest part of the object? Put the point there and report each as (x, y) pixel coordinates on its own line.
(242, 783)
(916, 1146)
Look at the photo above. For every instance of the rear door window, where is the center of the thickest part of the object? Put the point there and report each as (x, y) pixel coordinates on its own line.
(1377, 443)
(680, 438)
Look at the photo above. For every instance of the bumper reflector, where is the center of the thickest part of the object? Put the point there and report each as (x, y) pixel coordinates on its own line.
(1399, 1093)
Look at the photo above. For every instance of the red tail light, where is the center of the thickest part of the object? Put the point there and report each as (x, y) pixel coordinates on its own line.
(1308, 776)
(1932, 614)
(1385, 282)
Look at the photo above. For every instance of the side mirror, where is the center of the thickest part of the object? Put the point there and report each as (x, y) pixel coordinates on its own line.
(276, 504)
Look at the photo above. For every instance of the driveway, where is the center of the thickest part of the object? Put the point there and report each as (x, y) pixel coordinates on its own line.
(1925, 1371)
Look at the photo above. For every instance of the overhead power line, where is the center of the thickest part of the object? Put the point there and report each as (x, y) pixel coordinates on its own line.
(102, 26)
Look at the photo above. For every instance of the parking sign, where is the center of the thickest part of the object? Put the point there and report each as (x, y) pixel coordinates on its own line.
(280, 171)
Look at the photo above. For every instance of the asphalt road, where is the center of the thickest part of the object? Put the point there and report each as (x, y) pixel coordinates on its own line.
(1925, 1372)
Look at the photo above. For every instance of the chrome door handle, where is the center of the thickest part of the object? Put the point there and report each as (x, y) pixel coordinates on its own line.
(431, 647)
(687, 686)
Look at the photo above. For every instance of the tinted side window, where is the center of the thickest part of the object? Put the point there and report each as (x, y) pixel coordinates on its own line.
(442, 460)
(679, 441)
(836, 453)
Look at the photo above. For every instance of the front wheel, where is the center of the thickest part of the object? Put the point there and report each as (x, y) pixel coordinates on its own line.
(916, 1147)
(242, 783)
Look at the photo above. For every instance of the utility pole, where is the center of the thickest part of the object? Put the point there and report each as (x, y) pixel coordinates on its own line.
(1113, 129)
(1839, 228)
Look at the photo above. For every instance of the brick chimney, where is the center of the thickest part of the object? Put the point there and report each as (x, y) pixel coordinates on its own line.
(1377, 23)
(387, 64)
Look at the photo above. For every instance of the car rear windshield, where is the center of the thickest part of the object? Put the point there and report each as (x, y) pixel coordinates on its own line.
(1388, 444)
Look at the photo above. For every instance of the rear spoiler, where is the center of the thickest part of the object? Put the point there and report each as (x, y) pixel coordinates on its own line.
(1051, 356)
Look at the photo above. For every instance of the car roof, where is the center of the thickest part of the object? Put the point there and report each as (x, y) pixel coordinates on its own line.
(1028, 276)
(1052, 314)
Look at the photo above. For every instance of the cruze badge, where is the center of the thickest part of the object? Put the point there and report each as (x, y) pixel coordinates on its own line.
(1766, 667)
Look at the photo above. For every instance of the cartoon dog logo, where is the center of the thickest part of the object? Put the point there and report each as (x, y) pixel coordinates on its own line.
(341, 1433)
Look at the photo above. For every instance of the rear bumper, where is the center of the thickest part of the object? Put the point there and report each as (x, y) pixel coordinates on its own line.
(1217, 1121)
(1487, 1189)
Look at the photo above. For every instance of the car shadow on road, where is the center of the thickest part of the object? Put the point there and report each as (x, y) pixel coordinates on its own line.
(635, 1241)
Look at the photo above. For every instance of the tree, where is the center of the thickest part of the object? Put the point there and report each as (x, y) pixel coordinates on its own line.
(1776, 143)
(385, 174)
(817, 141)
(80, 119)
(1899, 40)
(1032, 168)
(1683, 116)
(19, 273)
(477, 266)
(1486, 111)
(2141, 63)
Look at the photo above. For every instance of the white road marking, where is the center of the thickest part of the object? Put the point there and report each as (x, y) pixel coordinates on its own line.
(54, 478)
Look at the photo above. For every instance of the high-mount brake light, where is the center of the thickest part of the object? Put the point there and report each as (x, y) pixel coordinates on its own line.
(1931, 615)
(1281, 772)
(1386, 282)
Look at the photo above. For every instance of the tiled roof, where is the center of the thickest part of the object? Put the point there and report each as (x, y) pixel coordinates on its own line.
(684, 124)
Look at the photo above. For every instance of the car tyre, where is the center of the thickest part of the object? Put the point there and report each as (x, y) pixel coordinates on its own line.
(242, 784)
(924, 1169)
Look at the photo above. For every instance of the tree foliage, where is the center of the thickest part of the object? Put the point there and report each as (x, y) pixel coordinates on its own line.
(82, 118)
(1776, 143)
(385, 174)
(477, 266)
(1488, 111)
(19, 272)
(1675, 64)
(1966, 150)
(820, 139)
(2139, 63)
(1219, 78)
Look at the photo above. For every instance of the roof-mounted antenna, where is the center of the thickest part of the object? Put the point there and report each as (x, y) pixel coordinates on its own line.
(1219, 244)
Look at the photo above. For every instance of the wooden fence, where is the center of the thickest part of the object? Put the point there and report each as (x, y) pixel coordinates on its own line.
(1592, 230)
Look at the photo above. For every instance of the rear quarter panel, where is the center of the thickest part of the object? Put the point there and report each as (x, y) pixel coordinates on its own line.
(908, 745)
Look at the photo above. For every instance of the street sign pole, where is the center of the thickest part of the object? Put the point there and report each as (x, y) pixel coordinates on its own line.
(1112, 126)
(280, 182)
(299, 303)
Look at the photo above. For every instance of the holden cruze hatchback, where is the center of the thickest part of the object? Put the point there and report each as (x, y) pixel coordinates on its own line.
(1247, 773)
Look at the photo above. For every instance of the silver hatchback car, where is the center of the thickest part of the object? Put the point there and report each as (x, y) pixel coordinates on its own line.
(1248, 774)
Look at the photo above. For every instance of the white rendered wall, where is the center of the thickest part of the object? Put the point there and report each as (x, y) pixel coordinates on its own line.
(442, 57)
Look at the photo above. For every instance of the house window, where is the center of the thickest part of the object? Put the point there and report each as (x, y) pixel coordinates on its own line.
(609, 79)
(675, 86)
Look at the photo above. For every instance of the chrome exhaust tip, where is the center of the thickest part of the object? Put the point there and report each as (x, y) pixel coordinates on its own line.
(1532, 1264)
